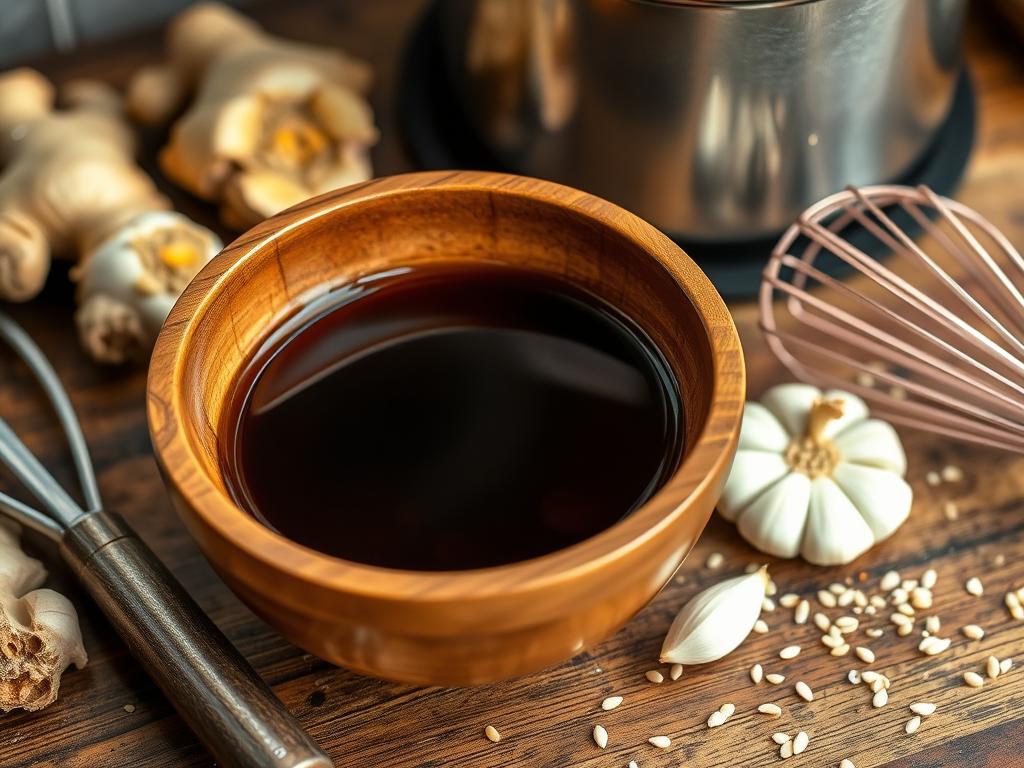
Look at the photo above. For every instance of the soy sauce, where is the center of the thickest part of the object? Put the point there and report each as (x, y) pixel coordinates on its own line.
(452, 417)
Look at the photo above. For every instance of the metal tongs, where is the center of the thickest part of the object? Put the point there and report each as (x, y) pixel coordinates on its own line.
(221, 697)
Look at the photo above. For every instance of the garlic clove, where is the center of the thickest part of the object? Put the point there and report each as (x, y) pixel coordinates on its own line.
(854, 410)
(790, 403)
(873, 443)
(835, 532)
(752, 473)
(716, 620)
(882, 497)
(761, 431)
(775, 521)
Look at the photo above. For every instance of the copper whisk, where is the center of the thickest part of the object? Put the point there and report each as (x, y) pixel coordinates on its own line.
(929, 326)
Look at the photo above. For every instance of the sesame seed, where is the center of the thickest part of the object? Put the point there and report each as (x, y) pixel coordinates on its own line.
(974, 586)
(780, 738)
(933, 478)
(830, 641)
(1005, 665)
(789, 652)
(899, 596)
(999, 560)
(800, 743)
(600, 736)
(922, 708)
(675, 671)
(767, 604)
(908, 585)
(921, 597)
(973, 631)
(840, 650)
(890, 581)
(929, 578)
(950, 510)
(774, 678)
(800, 614)
(789, 600)
(661, 742)
(973, 679)
(727, 709)
(716, 719)
(770, 709)
(992, 667)
(874, 632)
(880, 699)
(760, 627)
(853, 676)
(932, 645)
(906, 609)
(492, 734)
(756, 673)
(826, 598)
(869, 677)
(847, 763)
(836, 588)
(751, 567)
(654, 676)
(932, 624)
(865, 654)
(952, 474)
(877, 601)
(714, 561)
(611, 703)
(900, 620)
(821, 621)
(847, 624)
(786, 750)
(804, 691)
(913, 724)
(905, 630)
(633, 764)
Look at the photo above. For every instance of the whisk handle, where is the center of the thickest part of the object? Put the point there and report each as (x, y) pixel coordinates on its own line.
(221, 697)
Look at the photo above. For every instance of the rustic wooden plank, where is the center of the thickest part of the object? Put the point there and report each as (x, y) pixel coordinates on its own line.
(546, 718)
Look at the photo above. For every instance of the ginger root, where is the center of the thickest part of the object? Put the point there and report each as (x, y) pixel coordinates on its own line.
(39, 632)
(272, 122)
(70, 185)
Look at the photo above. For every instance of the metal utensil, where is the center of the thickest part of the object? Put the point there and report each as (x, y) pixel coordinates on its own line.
(712, 119)
(215, 690)
(932, 338)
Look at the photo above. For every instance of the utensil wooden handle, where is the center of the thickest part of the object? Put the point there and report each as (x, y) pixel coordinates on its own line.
(221, 697)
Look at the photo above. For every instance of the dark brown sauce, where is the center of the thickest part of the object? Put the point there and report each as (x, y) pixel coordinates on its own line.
(451, 418)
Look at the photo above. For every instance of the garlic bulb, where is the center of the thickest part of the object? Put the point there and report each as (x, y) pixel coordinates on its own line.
(716, 620)
(814, 476)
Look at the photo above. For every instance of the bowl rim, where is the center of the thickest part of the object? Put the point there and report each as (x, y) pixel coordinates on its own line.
(706, 459)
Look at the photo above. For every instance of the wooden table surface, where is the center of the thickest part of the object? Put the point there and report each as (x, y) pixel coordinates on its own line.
(110, 715)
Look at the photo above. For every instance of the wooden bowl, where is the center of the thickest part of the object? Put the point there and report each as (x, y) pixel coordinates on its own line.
(444, 627)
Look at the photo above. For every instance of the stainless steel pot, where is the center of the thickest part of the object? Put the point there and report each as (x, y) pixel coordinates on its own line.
(714, 120)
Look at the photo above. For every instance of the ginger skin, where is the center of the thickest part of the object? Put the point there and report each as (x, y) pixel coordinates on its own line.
(272, 121)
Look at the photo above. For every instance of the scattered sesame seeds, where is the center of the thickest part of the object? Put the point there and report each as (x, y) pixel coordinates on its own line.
(821, 621)
(654, 676)
(780, 738)
(826, 598)
(714, 561)
(992, 667)
(865, 654)
(492, 734)
(611, 703)
(803, 690)
(974, 586)
(922, 708)
(600, 736)
(789, 600)
(756, 673)
(973, 679)
(913, 724)
(890, 581)
(801, 612)
(800, 743)
(880, 699)
(675, 671)
(761, 627)
(789, 652)
(775, 678)
(661, 742)
(774, 710)
(973, 632)
(952, 474)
